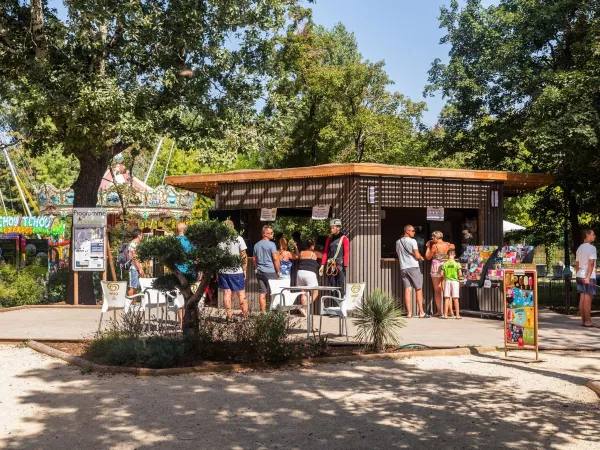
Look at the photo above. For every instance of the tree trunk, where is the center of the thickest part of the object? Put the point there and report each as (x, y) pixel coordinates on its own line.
(37, 29)
(85, 190)
(191, 320)
(574, 221)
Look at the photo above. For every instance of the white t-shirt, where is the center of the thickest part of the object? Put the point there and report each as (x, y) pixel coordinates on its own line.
(585, 253)
(235, 248)
(404, 249)
(131, 248)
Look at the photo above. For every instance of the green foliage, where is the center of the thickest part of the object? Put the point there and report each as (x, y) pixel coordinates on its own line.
(270, 332)
(19, 287)
(328, 104)
(523, 92)
(56, 287)
(305, 225)
(378, 320)
(155, 352)
(55, 168)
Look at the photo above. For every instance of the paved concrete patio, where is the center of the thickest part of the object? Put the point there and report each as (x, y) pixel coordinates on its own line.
(556, 330)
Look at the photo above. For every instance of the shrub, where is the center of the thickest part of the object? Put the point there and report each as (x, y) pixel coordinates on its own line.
(56, 288)
(269, 336)
(378, 320)
(19, 287)
(155, 352)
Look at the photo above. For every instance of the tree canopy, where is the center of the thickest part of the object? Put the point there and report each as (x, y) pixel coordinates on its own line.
(523, 93)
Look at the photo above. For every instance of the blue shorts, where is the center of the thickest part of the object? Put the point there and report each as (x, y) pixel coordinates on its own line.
(134, 279)
(583, 288)
(232, 281)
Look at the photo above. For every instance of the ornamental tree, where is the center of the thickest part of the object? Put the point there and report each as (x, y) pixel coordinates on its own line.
(101, 77)
(206, 257)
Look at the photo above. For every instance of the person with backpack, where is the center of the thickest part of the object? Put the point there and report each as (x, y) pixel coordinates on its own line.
(135, 268)
(336, 256)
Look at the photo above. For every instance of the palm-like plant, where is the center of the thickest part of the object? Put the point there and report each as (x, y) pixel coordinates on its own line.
(379, 319)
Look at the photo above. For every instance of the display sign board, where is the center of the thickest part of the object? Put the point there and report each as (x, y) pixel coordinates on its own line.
(42, 225)
(320, 212)
(89, 239)
(435, 214)
(268, 214)
(520, 310)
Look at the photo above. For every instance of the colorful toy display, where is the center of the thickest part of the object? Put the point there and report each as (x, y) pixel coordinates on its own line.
(473, 260)
(520, 312)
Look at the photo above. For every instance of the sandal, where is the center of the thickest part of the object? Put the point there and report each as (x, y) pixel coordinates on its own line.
(425, 316)
(458, 318)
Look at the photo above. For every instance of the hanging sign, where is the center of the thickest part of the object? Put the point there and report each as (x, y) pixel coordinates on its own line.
(42, 225)
(320, 212)
(268, 214)
(435, 214)
(89, 239)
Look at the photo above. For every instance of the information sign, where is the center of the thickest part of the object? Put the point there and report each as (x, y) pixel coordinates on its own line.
(320, 212)
(89, 239)
(520, 310)
(268, 214)
(435, 214)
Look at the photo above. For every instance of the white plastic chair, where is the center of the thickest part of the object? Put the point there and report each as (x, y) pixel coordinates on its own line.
(157, 299)
(175, 301)
(115, 298)
(284, 299)
(352, 300)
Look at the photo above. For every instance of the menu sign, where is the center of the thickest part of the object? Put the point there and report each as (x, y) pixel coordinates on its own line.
(435, 214)
(320, 212)
(520, 309)
(268, 214)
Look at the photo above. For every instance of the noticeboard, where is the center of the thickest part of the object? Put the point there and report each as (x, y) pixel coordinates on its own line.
(268, 214)
(520, 309)
(89, 239)
(435, 214)
(320, 212)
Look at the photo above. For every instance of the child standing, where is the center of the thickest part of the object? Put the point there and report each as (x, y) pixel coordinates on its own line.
(451, 275)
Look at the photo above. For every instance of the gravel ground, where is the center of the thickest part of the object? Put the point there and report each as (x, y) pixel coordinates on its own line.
(443, 403)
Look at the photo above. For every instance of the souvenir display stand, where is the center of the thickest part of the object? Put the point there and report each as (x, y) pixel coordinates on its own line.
(520, 310)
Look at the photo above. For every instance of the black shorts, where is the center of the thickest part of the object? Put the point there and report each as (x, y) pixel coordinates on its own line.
(263, 281)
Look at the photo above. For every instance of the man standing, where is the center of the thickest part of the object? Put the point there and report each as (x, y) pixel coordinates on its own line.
(585, 269)
(187, 246)
(135, 268)
(410, 272)
(336, 256)
(267, 264)
(232, 282)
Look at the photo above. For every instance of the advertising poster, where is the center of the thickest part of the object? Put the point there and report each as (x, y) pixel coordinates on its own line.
(520, 312)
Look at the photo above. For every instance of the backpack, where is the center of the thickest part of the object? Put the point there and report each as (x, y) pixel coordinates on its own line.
(123, 259)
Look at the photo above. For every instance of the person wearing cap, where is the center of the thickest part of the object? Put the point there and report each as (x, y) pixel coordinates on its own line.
(336, 256)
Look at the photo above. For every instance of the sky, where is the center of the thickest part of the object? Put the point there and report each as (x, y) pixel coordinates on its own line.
(403, 33)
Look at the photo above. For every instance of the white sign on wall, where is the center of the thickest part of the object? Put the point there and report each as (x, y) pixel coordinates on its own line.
(320, 212)
(268, 214)
(89, 239)
(435, 214)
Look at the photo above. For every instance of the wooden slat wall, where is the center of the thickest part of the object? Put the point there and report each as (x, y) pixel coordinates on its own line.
(348, 197)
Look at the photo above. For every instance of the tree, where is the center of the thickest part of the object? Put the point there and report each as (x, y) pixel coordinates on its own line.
(206, 257)
(116, 75)
(328, 104)
(523, 91)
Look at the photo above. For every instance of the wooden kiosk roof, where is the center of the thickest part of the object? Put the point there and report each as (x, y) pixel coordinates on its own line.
(208, 183)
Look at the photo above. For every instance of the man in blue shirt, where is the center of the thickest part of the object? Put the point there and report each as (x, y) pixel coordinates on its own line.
(267, 264)
(187, 268)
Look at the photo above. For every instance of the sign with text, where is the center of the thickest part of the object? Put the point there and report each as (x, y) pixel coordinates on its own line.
(268, 214)
(320, 212)
(89, 239)
(42, 225)
(435, 214)
(520, 310)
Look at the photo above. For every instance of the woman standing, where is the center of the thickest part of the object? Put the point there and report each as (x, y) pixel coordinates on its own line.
(437, 253)
(308, 268)
(285, 257)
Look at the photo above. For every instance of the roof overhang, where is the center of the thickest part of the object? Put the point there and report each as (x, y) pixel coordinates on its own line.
(208, 183)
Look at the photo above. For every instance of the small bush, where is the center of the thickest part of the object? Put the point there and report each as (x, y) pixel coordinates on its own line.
(155, 352)
(19, 287)
(56, 287)
(378, 321)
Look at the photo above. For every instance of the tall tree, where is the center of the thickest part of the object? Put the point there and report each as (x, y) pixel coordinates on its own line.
(523, 93)
(115, 75)
(329, 104)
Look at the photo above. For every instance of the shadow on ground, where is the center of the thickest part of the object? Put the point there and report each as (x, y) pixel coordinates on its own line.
(376, 405)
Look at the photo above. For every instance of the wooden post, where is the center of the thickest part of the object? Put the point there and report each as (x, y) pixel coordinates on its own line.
(535, 322)
(76, 288)
(111, 263)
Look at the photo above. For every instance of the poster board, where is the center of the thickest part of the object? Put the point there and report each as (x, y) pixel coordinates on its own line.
(520, 310)
(268, 214)
(89, 240)
(473, 261)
